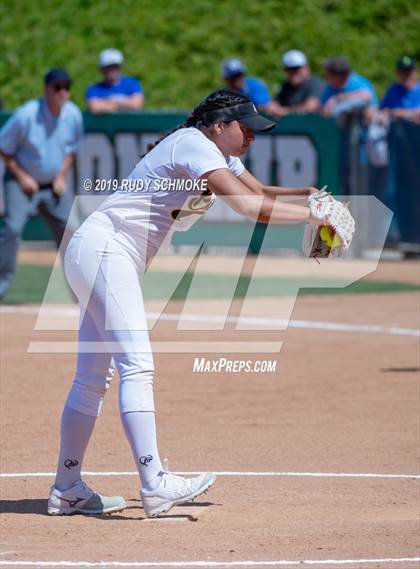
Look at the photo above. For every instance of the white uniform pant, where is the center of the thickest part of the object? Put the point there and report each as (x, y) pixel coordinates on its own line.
(113, 323)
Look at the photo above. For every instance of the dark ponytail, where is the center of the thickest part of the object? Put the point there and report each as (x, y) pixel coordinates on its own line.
(219, 99)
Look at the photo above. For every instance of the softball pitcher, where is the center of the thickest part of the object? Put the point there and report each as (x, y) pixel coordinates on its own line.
(103, 262)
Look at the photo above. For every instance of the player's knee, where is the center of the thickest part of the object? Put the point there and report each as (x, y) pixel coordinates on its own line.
(136, 390)
(88, 392)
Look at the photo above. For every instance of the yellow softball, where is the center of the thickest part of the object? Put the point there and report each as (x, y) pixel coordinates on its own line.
(329, 236)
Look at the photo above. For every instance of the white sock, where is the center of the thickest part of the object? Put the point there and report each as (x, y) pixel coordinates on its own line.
(140, 428)
(76, 429)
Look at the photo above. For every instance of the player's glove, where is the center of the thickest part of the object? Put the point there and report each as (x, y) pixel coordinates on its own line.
(331, 229)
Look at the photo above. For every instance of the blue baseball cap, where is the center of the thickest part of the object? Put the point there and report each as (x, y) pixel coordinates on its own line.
(54, 75)
(233, 66)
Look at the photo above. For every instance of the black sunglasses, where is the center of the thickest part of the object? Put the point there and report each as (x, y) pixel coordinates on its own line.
(60, 86)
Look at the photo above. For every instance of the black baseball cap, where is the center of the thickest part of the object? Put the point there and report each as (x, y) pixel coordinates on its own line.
(337, 66)
(54, 75)
(245, 112)
(406, 63)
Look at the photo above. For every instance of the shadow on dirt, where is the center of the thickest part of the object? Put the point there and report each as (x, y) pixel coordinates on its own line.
(39, 506)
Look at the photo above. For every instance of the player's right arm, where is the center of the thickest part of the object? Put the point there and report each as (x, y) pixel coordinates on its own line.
(256, 206)
(287, 193)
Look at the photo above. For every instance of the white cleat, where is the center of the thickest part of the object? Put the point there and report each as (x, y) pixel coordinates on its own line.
(173, 490)
(80, 499)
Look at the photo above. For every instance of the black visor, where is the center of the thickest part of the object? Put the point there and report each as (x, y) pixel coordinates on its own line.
(245, 112)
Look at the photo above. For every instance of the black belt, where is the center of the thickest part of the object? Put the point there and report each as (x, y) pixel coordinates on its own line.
(9, 176)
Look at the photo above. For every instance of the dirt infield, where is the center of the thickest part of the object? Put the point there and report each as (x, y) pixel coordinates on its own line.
(340, 402)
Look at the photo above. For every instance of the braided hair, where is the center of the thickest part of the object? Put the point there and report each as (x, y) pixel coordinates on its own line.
(219, 99)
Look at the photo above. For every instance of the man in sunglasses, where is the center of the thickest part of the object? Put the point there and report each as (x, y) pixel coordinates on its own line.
(38, 145)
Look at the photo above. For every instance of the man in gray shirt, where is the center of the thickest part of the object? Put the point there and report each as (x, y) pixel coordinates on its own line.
(301, 92)
(38, 144)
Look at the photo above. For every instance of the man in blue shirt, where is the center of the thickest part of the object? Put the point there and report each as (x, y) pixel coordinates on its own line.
(236, 79)
(346, 91)
(116, 92)
(38, 144)
(402, 99)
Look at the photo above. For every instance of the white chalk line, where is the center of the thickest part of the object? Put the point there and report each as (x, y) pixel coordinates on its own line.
(245, 563)
(226, 473)
(201, 347)
(251, 321)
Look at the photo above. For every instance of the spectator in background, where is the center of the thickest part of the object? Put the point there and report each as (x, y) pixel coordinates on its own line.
(347, 92)
(301, 92)
(402, 99)
(237, 80)
(38, 144)
(116, 92)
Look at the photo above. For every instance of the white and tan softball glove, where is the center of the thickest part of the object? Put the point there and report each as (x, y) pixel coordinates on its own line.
(331, 229)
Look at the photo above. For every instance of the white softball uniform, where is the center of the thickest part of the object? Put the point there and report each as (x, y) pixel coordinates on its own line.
(106, 258)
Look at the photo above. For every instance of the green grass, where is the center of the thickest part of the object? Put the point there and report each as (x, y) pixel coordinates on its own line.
(176, 47)
(31, 283)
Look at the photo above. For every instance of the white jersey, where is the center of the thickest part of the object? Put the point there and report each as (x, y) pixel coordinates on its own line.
(167, 199)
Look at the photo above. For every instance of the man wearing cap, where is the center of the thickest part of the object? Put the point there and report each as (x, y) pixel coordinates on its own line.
(237, 80)
(38, 144)
(346, 91)
(402, 99)
(116, 92)
(301, 92)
